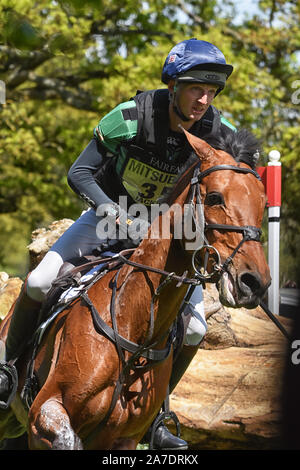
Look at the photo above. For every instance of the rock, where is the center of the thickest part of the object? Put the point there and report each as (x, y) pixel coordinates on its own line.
(9, 291)
(43, 239)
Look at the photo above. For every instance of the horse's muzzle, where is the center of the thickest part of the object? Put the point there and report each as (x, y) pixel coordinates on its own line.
(245, 289)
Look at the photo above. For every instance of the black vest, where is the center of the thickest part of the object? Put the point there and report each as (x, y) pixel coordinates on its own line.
(153, 121)
(146, 165)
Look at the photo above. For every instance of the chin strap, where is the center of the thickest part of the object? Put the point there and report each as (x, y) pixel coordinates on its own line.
(180, 114)
(176, 108)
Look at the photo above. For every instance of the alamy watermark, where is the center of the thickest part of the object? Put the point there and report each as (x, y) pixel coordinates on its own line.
(295, 357)
(296, 94)
(2, 92)
(159, 221)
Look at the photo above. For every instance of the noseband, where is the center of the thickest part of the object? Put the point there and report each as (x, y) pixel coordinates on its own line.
(250, 233)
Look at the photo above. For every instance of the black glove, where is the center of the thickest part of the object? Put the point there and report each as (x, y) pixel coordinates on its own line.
(130, 230)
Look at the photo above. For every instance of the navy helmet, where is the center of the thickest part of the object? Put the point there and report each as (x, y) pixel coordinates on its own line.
(198, 61)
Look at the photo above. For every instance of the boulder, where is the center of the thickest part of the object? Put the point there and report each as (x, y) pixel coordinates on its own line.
(9, 291)
(43, 239)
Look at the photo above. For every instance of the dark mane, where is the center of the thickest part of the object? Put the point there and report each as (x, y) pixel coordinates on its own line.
(242, 145)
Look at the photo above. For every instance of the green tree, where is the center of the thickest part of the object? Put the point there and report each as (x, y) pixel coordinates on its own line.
(64, 65)
(67, 63)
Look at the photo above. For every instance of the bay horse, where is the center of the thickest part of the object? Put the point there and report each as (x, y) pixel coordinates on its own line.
(102, 390)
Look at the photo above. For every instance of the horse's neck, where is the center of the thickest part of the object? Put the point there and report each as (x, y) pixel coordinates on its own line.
(166, 254)
(158, 248)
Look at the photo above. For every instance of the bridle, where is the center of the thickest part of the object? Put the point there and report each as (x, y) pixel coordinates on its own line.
(250, 233)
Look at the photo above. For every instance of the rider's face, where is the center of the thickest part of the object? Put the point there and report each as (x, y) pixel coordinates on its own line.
(193, 99)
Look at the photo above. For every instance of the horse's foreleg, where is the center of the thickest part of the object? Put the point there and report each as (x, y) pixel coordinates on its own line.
(50, 428)
(124, 444)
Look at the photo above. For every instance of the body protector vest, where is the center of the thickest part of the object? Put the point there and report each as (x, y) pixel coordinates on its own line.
(148, 156)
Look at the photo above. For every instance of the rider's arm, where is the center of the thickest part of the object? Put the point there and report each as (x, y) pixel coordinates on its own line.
(81, 176)
(117, 126)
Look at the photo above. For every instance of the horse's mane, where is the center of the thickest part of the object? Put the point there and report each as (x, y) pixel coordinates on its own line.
(242, 145)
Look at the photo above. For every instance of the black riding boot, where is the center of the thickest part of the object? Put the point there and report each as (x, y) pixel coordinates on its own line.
(22, 326)
(163, 438)
(181, 364)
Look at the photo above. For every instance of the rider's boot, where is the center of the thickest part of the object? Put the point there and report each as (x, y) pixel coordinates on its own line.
(182, 362)
(163, 438)
(22, 326)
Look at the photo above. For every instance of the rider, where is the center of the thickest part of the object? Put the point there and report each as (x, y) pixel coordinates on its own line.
(136, 151)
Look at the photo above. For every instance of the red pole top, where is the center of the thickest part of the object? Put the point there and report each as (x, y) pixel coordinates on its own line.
(271, 178)
(274, 186)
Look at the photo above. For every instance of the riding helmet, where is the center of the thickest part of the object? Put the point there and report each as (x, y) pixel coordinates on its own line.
(198, 61)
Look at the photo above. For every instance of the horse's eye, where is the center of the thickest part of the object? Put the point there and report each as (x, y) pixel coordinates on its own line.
(214, 199)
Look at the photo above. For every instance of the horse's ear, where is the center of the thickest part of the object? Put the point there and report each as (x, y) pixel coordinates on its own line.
(202, 148)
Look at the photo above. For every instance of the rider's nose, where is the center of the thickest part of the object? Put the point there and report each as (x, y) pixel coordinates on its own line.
(250, 283)
(203, 99)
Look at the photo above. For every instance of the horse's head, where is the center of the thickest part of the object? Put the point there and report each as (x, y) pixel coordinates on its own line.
(234, 199)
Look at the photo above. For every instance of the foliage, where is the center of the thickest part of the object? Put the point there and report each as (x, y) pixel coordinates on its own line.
(67, 63)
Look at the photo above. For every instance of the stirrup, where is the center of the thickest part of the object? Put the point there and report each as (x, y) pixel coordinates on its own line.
(161, 417)
(12, 374)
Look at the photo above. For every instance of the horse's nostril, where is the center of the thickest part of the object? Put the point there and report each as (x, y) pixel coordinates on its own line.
(249, 283)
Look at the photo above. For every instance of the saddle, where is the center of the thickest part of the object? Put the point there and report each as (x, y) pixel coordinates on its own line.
(73, 276)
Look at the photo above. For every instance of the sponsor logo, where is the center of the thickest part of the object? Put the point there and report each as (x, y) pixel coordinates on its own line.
(211, 76)
(172, 58)
(146, 184)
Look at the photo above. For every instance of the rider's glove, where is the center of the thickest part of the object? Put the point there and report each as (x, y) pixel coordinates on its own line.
(130, 230)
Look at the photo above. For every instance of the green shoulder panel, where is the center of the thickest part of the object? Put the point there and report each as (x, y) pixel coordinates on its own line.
(119, 124)
(228, 124)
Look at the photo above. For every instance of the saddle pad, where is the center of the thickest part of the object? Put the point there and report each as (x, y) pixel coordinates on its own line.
(73, 292)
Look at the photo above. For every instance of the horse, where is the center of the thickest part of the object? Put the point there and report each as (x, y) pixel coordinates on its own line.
(103, 365)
